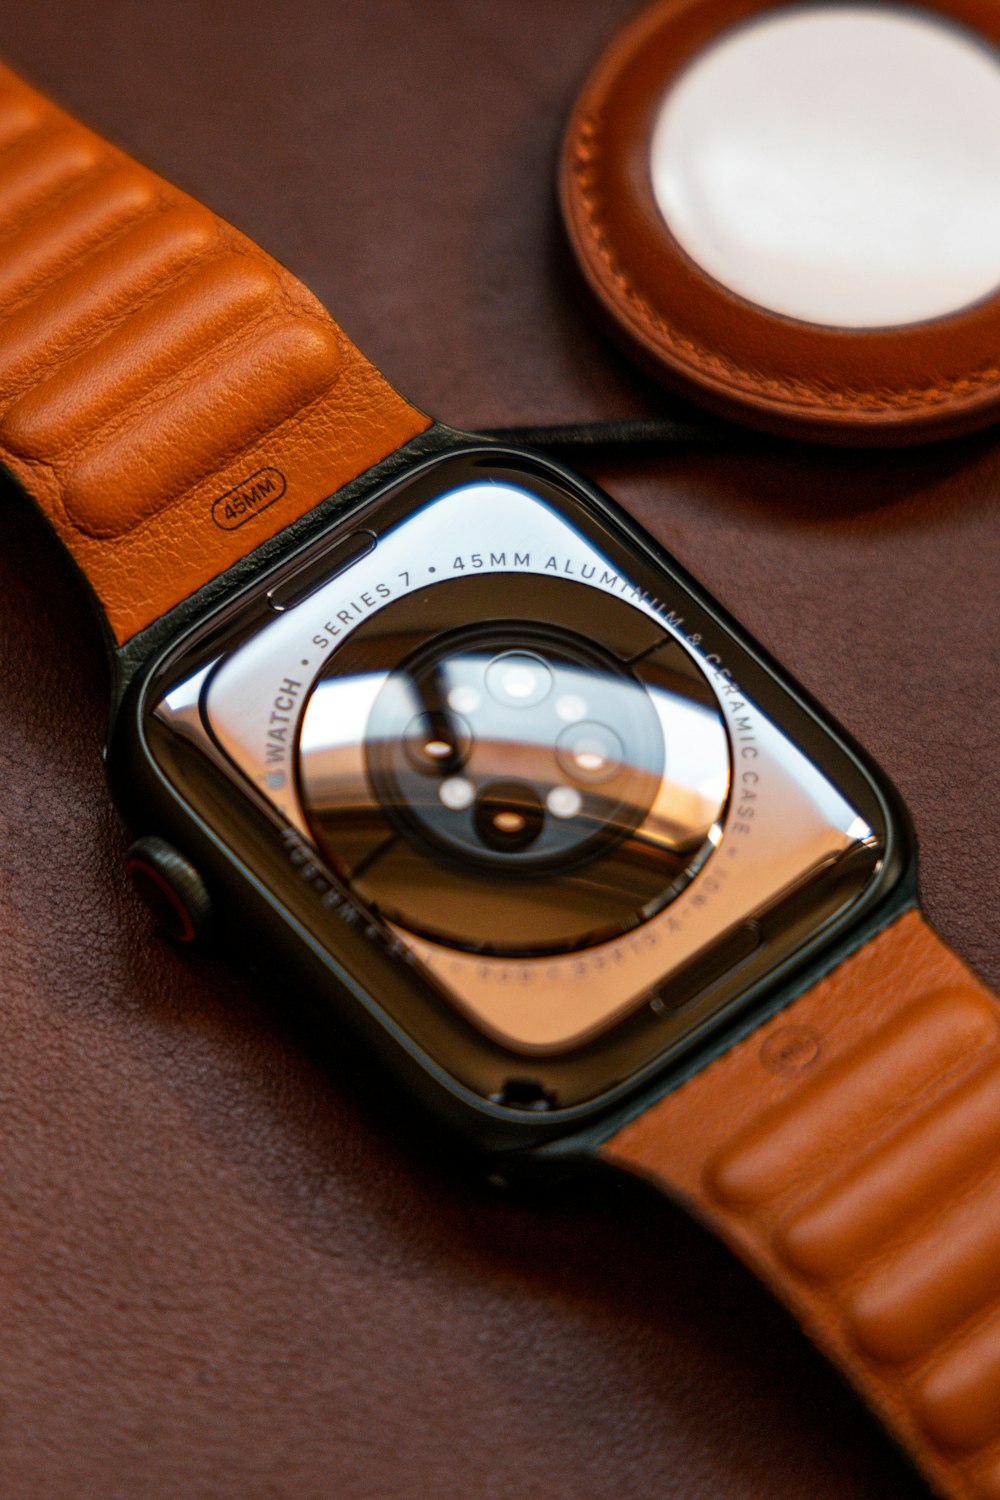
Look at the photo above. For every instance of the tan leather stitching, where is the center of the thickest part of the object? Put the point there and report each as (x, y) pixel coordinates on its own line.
(938, 392)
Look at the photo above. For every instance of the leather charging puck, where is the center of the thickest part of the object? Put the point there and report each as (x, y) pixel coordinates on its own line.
(791, 213)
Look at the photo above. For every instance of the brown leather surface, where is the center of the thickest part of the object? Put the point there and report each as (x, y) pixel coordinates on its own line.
(155, 361)
(229, 1267)
(849, 1150)
(901, 385)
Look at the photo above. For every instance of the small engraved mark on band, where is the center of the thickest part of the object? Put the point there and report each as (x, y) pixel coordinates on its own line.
(790, 1049)
(248, 498)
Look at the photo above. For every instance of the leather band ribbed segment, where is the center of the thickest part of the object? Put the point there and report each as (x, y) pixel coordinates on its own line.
(154, 362)
(849, 1151)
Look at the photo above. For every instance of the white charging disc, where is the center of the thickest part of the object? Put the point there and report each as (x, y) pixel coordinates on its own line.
(838, 164)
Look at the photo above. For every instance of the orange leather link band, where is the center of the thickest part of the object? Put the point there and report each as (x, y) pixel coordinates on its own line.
(849, 1151)
(169, 395)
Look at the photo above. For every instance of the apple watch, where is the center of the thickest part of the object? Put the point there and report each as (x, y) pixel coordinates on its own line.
(440, 726)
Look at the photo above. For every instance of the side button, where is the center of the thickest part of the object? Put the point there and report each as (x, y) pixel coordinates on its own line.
(702, 972)
(172, 889)
(320, 569)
